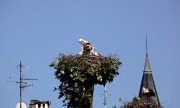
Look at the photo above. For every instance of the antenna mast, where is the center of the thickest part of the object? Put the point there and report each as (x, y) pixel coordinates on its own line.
(105, 103)
(105, 96)
(21, 82)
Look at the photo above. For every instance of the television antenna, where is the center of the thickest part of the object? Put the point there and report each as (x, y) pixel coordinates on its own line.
(21, 82)
(105, 96)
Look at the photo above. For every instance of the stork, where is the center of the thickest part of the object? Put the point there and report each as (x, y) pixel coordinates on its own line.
(86, 46)
(83, 42)
(148, 92)
(82, 51)
(94, 52)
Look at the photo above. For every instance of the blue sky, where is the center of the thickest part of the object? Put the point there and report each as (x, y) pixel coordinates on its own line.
(35, 31)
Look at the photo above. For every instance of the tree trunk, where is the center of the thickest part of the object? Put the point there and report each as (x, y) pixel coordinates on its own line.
(89, 89)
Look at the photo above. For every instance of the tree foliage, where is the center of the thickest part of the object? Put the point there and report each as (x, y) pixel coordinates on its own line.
(78, 75)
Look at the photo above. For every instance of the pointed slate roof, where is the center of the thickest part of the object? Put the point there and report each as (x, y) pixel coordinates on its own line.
(147, 67)
(148, 82)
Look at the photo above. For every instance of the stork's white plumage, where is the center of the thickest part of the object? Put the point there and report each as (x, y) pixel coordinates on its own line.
(83, 42)
(94, 52)
(147, 91)
(81, 52)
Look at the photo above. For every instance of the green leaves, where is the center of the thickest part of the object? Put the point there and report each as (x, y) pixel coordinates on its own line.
(52, 64)
(78, 74)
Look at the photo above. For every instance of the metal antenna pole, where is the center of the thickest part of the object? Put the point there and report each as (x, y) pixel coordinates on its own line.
(105, 96)
(20, 83)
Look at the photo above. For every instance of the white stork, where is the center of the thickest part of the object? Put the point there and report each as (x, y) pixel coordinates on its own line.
(81, 52)
(94, 52)
(83, 42)
(148, 92)
(86, 46)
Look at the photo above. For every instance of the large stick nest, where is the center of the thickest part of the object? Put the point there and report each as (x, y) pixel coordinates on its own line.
(77, 72)
(87, 68)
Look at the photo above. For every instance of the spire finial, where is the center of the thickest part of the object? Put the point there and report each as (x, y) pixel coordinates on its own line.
(146, 45)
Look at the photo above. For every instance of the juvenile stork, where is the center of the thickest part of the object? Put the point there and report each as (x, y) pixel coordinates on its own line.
(94, 52)
(86, 46)
(82, 51)
(83, 42)
(148, 92)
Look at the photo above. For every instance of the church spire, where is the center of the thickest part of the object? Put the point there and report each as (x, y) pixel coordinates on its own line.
(147, 67)
(146, 45)
(148, 83)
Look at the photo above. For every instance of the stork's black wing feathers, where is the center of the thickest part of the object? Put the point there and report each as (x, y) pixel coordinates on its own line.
(151, 92)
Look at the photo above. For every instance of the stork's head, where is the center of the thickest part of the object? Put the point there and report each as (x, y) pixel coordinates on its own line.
(81, 41)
